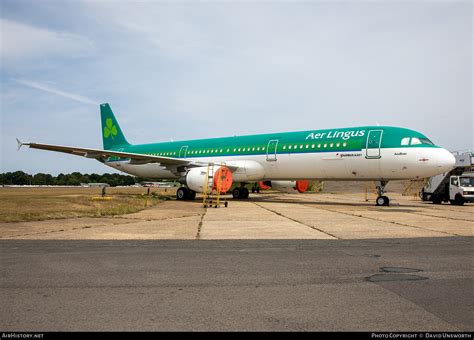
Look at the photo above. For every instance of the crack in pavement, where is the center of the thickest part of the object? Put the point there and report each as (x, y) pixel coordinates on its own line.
(380, 220)
(61, 230)
(292, 219)
(416, 213)
(198, 234)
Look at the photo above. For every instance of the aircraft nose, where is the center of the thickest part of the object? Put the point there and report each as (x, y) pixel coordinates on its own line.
(445, 160)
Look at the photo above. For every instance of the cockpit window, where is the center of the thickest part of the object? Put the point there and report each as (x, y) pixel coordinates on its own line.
(426, 141)
(415, 141)
(405, 141)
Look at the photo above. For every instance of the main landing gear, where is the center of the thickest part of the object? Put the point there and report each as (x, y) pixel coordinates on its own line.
(256, 188)
(185, 194)
(240, 193)
(381, 199)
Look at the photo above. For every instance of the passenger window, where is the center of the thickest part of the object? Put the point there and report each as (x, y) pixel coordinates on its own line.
(405, 141)
(454, 181)
(415, 141)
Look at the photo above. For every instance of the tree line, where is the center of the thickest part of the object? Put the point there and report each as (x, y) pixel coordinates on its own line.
(75, 178)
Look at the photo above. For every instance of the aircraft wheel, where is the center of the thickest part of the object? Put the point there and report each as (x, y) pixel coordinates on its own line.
(192, 195)
(240, 193)
(382, 201)
(237, 193)
(182, 194)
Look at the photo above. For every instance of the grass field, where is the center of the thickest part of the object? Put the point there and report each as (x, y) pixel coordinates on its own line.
(42, 203)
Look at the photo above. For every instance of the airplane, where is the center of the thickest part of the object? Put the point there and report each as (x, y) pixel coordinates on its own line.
(283, 161)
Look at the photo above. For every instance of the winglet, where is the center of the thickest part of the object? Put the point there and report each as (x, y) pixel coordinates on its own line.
(20, 144)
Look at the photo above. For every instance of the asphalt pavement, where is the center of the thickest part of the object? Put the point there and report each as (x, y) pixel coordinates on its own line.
(400, 284)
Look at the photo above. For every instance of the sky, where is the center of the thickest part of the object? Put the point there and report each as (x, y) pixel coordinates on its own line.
(186, 70)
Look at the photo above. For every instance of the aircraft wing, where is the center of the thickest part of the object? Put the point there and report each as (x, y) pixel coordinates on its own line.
(135, 158)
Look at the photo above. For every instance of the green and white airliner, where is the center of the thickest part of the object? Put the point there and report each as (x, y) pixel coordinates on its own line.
(277, 160)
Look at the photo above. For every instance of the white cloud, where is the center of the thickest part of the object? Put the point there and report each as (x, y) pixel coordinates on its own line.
(19, 40)
(49, 89)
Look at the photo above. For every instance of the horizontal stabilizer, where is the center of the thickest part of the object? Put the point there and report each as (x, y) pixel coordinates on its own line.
(20, 144)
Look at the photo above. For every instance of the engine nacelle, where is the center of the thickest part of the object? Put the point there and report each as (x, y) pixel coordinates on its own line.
(290, 187)
(196, 179)
(247, 170)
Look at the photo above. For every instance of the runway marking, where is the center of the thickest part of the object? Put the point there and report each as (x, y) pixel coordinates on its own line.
(292, 219)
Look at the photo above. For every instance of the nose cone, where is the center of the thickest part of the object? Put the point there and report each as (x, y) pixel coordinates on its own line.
(445, 160)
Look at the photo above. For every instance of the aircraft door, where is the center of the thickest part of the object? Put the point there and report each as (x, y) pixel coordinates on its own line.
(374, 140)
(183, 151)
(272, 150)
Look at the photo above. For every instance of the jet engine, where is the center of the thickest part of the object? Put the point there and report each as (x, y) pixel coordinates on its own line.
(196, 179)
(291, 187)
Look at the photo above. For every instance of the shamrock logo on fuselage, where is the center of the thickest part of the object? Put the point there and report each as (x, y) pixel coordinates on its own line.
(110, 129)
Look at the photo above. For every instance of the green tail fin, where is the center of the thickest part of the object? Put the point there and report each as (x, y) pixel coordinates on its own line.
(112, 135)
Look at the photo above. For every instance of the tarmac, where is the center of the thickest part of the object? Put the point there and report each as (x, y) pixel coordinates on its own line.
(310, 262)
(269, 216)
(422, 284)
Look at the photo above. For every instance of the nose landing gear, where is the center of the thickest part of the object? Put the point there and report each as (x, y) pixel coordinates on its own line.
(381, 199)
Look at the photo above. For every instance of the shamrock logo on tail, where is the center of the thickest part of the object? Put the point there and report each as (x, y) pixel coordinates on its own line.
(110, 129)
